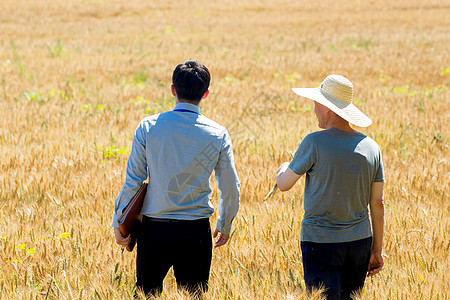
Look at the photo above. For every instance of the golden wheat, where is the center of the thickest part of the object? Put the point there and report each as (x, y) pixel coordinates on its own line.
(77, 76)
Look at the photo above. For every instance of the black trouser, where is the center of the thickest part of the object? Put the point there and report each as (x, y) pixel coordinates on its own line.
(185, 245)
(340, 268)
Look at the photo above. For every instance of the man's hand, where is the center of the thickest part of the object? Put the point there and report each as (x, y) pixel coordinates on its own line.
(376, 263)
(120, 239)
(222, 240)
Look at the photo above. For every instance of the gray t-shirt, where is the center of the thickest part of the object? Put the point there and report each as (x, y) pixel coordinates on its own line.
(340, 169)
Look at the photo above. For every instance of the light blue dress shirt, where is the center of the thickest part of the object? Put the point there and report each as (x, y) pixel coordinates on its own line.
(178, 150)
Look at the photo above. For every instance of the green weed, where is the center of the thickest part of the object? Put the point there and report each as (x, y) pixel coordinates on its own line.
(168, 29)
(404, 90)
(38, 96)
(58, 50)
(358, 42)
(88, 107)
(139, 78)
(111, 152)
(21, 68)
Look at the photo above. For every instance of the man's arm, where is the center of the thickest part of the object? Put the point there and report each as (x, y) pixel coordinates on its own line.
(286, 178)
(376, 205)
(136, 173)
(228, 184)
(303, 160)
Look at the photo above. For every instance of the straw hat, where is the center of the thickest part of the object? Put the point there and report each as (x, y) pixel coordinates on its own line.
(336, 93)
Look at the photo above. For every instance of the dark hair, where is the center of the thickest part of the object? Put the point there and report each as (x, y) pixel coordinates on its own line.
(191, 80)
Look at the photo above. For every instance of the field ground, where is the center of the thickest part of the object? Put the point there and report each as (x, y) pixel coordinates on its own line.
(77, 76)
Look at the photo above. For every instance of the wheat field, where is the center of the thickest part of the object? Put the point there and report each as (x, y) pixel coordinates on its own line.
(77, 76)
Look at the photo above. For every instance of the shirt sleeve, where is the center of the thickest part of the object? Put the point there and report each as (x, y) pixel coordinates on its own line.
(304, 157)
(135, 175)
(379, 176)
(228, 183)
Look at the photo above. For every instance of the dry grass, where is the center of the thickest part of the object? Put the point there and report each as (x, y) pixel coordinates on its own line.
(77, 76)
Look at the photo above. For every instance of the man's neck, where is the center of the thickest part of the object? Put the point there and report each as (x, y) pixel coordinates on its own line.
(341, 124)
(187, 101)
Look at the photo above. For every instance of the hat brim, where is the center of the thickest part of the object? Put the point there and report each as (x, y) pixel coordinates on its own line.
(349, 113)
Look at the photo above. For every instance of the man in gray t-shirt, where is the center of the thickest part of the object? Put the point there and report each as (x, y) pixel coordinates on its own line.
(344, 176)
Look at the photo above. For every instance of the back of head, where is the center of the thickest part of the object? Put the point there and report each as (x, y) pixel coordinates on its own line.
(191, 80)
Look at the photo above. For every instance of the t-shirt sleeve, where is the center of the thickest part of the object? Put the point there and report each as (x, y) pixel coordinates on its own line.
(304, 157)
(379, 176)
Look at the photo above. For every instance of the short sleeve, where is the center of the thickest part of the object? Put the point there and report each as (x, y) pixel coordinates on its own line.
(379, 176)
(304, 157)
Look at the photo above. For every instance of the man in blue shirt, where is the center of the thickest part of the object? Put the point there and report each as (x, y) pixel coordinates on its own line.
(344, 176)
(178, 151)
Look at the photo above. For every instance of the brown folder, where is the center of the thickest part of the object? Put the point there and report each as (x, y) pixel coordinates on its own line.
(127, 221)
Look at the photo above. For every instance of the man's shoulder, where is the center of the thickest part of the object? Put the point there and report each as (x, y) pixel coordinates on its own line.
(212, 124)
(331, 136)
(148, 121)
(152, 118)
(371, 143)
(315, 135)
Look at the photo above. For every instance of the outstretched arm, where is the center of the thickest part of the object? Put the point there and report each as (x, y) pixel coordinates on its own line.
(377, 215)
(286, 178)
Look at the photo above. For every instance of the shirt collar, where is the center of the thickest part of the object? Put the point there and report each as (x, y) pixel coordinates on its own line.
(188, 106)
